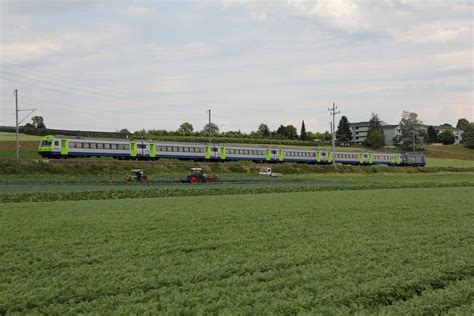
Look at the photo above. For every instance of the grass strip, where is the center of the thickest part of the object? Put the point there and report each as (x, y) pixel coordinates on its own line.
(202, 190)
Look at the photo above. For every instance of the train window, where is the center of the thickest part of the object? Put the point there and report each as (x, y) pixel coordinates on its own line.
(126, 147)
(323, 154)
(185, 149)
(86, 145)
(100, 146)
(56, 143)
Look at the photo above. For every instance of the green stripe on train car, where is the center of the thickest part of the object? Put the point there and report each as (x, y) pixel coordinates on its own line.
(133, 149)
(280, 154)
(399, 159)
(268, 155)
(64, 147)
(152, 150)
(207, 152)
(371, 158)
(318, 156)
(330, 156)
(223, 152)
(361, 158)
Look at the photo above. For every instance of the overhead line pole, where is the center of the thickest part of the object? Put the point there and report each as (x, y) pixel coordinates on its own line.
(333, 112)
(16, 125)
(210, 133)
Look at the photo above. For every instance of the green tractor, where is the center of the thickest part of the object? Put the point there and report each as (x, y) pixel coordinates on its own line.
(137, 175)
(198, 175)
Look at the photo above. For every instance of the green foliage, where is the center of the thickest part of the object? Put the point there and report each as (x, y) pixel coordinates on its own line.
(185, 129)
(432, 135)
(375, 136)
(446, 137)
(375, 140)
(263, 130)
(303, 135)
(462, 124)
(375, 124)
(288, 131)
(36, 122)
(344, 252)
(468, 136)
(409, 126)
(343, 133)
(214, 129)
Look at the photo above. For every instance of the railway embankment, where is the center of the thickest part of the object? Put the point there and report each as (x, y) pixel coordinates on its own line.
(111, 167)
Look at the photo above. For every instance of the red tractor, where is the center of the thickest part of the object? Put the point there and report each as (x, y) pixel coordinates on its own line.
(198, 175)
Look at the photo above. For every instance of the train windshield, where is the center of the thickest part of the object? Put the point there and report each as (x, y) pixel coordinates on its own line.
(46, 143)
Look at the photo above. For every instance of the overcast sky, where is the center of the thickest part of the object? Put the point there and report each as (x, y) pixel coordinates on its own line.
(107, 65)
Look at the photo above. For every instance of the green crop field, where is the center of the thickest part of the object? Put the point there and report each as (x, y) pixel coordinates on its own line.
(393, 251)
(439, 162)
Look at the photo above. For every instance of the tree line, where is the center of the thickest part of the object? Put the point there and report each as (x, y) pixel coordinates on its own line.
(412, 134)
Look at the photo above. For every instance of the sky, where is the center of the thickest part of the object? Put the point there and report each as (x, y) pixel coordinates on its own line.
(107, 65)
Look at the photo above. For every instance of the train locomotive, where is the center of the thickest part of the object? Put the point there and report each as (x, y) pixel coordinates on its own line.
(75, 147)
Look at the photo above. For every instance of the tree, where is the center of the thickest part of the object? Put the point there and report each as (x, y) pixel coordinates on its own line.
(446, 137)
(446, 125)
(124, 131)
(409, 126)
(375, 140)
(375, 127)
(343, 133)
(214, 129)
(185, 129)
(462, 124)
(288, 131)
(432, 135)
(468, 136)
(263, 130)
(37, 122)
(303, 135)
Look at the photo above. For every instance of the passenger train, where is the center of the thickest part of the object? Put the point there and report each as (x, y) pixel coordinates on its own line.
(74, 147)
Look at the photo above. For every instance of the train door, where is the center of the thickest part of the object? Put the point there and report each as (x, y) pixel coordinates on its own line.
(64, 147)
(152, 150)
(223, 153)
(133, 150)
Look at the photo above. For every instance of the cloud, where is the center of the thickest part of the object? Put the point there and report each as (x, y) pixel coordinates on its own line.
(434, 32)
(138, 10)
(27, 50)
(180, 51)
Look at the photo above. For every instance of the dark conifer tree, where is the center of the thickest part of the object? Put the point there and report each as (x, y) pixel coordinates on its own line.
(303, 135)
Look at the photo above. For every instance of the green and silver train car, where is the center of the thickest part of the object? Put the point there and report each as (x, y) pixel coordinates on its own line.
(73, 147)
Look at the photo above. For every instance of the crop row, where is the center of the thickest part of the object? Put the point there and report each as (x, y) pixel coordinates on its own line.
(400, 252)
(208, 191)
(113, 167)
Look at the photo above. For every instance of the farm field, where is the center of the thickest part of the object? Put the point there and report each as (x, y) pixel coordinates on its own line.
(458, 163)
(61, 183)
(400, 251)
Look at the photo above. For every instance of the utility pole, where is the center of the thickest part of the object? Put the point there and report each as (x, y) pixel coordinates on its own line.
(414, 145)
(333, 112)
(210, 133)
(16, 121)
(17, 125)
